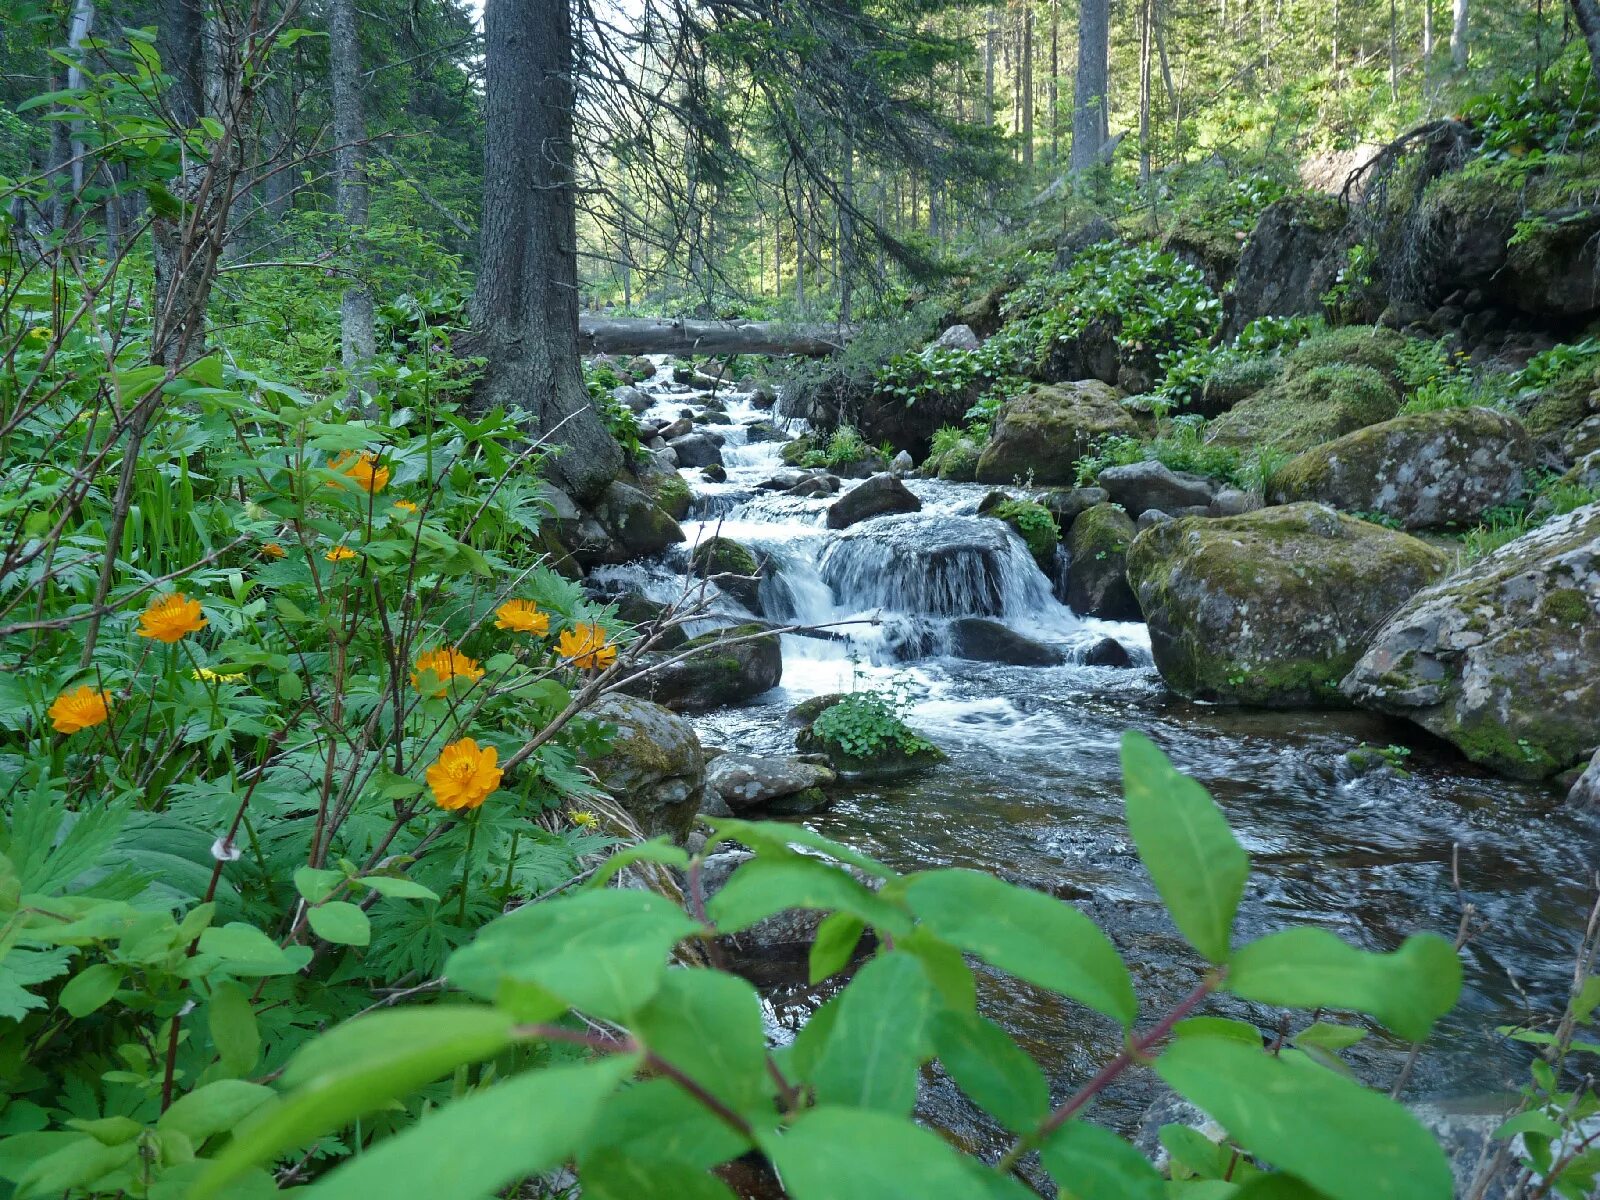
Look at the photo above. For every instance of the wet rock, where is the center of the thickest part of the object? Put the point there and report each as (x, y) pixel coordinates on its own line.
(809, 709)
(653, 767)
(636, 400)
(878, 495)
(1150, 484)
(633, 525)
(715, 675)
(1292, 258)
(696, 450)
(715, 473)
(712, 417)
(782, 481)
(958, 463)
(899, 753)
(1426, 470)
(1232, 501)
(641, 367)
(645, 615)
(1503, 657)
(1586, 790)
(957, 337)
(762, 431)
(732, 567)
(1067, 504)
(1107, 652)
(669, 491)
(676, 429)
(1272, 607)
(902, 464)
(1041, 434)
(750, 785)
(990, 641)
(784, 937)
(682, 372)
(1097, 582)
(814, 485)
(763, 396)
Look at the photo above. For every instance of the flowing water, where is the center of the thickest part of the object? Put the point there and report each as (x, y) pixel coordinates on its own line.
(1032, 788)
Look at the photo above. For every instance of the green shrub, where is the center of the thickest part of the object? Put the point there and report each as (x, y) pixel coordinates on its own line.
(1033, 523)
(845, 445)
(868, 723)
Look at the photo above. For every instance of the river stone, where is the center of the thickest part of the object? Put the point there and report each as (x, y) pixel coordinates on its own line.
(732, 567)
(762, 431)
(890, 762)
(712, 417)
(669, 491)
(1503, 657)
(1272, 607)
(751, 784)
(902, 464)
(695, 449)
(654, 767)
(1067, 504)
(676, 429)
(1042, 433)
(715, 676)
(1097, 580)
(983, 640)
(633, 527)
(782, 480)
(636, 400)
(1586, 790)
(1107, 652)
(872, 498)
(958, 464)
(641, 367)
(644, 615)
(809, 709)
(1232, 502)
(1426, 470)
(715, 473)
(1150, 484)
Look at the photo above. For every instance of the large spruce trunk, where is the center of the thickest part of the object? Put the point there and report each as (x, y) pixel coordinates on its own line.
(350, 158)
(1587, 14)
(1090, 121)
(525, 312)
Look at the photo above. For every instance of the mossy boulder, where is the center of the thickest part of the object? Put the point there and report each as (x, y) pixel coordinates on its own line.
(1564, 403)
(958, 463)
(1291, 259)
(654, 766)
(670, 491)
(755, 785)
(1425, 470)
(646, 615)
(1503, 657)
(1033, 523)
(732, 567)
(1232, 381)
(634, 527)
(1370, 346)
(1097, 577)
(898, 750)
(708, 672)
(1042, 433)
(1272, 607)
(794, 453)
(1308, 408)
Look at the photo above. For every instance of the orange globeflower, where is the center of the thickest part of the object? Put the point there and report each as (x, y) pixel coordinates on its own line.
(364, 469)
(339, 554)
(82, 709)
(586, 646)
(446, 664)
(273, 550)
(170, 618)
(463, 775)
(522, 616)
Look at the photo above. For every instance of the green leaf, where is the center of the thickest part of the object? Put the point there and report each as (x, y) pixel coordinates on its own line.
(74, 1165)
(1186, 845)
(657, 1121)
(992, 1069)
(764, 886)
(618, 1177)
(245, 951)
(1310, 968)
(1239, 1031)
(90, 989)
(341, 922)
(835, 944)
(708, 1025)
(602, 952)
(356, 1068)
(232, 1022)
(1194, 1151)
(658, 850)
(1587, 999)
(775, 837)
(1356, 1143)
(316, 886)
(1035, 937)
(477, 1146)
(394, 888)
(880, 1037)
(215, 1108)
(859, 1154)
(1327, 1036)
(1091, 1163)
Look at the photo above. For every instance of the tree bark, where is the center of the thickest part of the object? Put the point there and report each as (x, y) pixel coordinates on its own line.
(1587, 15)
(356, 342)
(1458, 36)
(663, 335)
(525, 308)
(1027, 84)
(1089, 118)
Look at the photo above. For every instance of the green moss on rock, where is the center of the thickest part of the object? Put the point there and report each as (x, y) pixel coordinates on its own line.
(1033, 523)
(1307, 408)
(1041, 434)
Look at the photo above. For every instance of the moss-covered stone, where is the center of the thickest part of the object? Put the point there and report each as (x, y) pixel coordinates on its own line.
(732, 567)
(1564, 403)
(1235, 380)
(709, 672)
(1503, 657)
(670, 491)
(1042, 433)
(1271, 607)
(1425, 470)
(1034, 525)
(1370, 346)
(1097, 577)
(634, 526)
(794, 453)
(1307, 408)
(958, 464)
(653, 766)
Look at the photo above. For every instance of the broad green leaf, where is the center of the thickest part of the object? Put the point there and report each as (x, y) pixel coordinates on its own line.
(1091, 1163)
(775, 837)
(657, 850)
(356, 1068)
(835, 944)
(708, 1025)
(1194, 1151)
(1239, 1031)
(476, 1146)
(1340, 1138)
(860, 1154)
(246, 951)
(1310, 968)
(76, 1164)
(992, 1069)
(1035, 937)
(619, 1177)
(1327, 1036)
(394, 888)
(602, 952)
(764, 886)
(657, 1121)
(316, 886)
(1587, 999)
(880, 1037)
(215, 1108)
(90, 989)
(232, 1022)
(1186, 845)
(341, 922)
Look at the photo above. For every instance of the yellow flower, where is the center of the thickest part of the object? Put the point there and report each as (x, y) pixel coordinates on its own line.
(207, 675)
(170, 618)
(82, 709)
(522, 616)
(273, 550)
(40, 334)
(463, 775)
(339, 554)
(584, 819)
(364, 469)
(405, 506)
(446, 664)
(586, 646)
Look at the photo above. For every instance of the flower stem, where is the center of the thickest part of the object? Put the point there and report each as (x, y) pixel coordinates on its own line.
(466, 869)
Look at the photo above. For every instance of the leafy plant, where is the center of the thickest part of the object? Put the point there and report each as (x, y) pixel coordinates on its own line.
(868, 723)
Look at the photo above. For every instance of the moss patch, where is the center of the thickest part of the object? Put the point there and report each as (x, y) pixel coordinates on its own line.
(1033, 524)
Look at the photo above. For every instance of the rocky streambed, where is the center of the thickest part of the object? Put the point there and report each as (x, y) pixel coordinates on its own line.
(1356, 821)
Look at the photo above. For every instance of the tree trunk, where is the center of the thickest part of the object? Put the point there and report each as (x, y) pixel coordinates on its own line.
(1394, 52)
(1089, 118)
(1427, 33)
(1027, 84)
(665, 335)
(1458, 36)
(847, 230)
(1055, 84)
(1587, 15)
(1144, 97)
(82, 25)
(350, 165)
(525, 310)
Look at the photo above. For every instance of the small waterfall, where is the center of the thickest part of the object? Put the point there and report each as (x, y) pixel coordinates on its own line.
(936, 566)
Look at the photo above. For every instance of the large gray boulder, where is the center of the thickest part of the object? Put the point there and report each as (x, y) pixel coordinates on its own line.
(983, 640)
(706, 673)
(753, 784)
(635, 527)
(1272, 607)
(1097, 577)
(872, 498)
(1292, 258)
(1425, 470)
(1149, 484)
(1503, 657)
(1042, 433)
(1585, 791)
(696, 450)
(957, 337)
(654, 768)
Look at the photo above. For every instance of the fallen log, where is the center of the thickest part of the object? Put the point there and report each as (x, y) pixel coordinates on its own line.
(662, 335)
